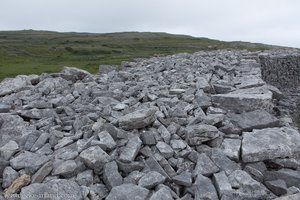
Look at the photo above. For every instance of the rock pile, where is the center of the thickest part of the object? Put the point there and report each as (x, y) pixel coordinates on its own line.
(187, 126)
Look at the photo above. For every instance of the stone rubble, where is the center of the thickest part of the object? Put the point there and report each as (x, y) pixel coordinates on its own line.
(187, 126)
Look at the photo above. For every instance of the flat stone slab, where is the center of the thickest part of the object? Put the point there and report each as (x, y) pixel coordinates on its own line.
(257, 119)
(241, 101)
(270, 143)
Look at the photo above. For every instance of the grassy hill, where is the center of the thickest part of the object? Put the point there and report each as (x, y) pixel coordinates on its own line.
(29, 51)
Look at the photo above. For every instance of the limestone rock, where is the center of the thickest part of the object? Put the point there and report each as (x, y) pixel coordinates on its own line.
(95, 158)
(270, 143)
(151, 179)
(137, 119)
(128, 192)
(29, 161)
(131, 149)
(59, 189)
(198, 134)
(257, 119)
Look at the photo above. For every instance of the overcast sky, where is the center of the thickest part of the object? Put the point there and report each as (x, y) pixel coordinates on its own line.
(267, 21)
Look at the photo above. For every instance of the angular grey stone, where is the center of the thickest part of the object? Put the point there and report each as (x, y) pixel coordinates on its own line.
(38, 104)
(164, 133)
(12, 127)
(9, 175)
(95, 158)
(289, 197)
(63, 142)
(133, 177)
(222, 183)
(223, 89)
(106, 140)
(213, 119)
(58, 189)
(45, 150)
(41, 174)
(293, 190)
(203, 84)
(30, 161)
(98, 191)
(148, 138)
(278, 187)
(291, 177)
(128, 192)
(119, 106)
(151, 179)
(205, 166)
(137, 119)
(66, 153)
(3, 165)
(162, 194)
(131, 149)
(257, 119)
(213, 110)
(264, 144)
(187, 197)
(184, 179)
(111, 175)
(64, 168)
(153, 165)
(31, 139)
(202, 100)
(165, 149)
(290, 163)
(256, 170)
(85, 178)
(4, 108)
(37, 113)
(164, 163)
(126, 168)
(243, 102)
(197, 134)
(10, 85)
(232, 148)
(204, 188)
(177, 144)
(76, 73)
(223, 162)
(176, 91)
(9, 150)
(40, 141)
(247, 187)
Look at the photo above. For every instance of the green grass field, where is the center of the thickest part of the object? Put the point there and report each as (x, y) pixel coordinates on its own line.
(35, 52)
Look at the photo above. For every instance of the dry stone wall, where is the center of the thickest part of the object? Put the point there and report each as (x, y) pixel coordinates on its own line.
(282, 69)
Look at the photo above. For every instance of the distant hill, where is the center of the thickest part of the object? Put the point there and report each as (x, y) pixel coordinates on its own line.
(30, 51)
